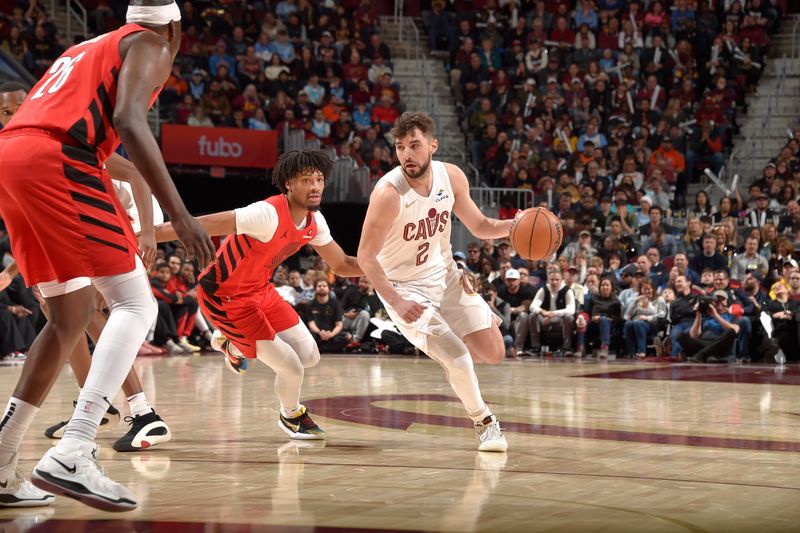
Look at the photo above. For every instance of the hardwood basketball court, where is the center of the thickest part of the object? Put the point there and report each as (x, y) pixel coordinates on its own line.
(616, 446)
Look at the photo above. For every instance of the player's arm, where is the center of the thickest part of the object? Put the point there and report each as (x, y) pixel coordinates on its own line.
(8, 275)
(216, 224)
(121, 169)
(147, 64)
(342, 264)
(470, 214)
(384, 206)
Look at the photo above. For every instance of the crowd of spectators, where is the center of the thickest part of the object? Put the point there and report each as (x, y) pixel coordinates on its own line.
(28, 34)
(593, 97)
(724, 288)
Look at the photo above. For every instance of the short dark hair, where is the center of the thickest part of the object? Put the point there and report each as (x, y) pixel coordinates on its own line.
(160, 265)
(298, 162)
(655, 208)
(12, 87)
(409, 121)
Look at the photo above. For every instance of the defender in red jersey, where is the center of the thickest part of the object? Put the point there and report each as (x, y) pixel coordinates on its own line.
(68, 229)
(145, 420)
(235, 291)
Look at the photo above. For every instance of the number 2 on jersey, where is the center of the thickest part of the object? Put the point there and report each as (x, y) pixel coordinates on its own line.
(59, 73)
(422, 253)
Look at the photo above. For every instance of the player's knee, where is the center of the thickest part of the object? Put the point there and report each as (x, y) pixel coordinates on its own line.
(312, 356)
(495, 354)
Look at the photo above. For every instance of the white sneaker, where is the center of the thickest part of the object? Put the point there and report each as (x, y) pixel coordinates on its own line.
(490, 435)
(172, 347)
(16, 491)
(78, 476)
(184, 343)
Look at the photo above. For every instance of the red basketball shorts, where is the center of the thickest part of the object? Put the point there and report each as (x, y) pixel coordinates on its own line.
(247, 319)
(61, 213)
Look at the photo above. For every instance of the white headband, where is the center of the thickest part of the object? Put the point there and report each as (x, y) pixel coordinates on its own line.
(153, 15)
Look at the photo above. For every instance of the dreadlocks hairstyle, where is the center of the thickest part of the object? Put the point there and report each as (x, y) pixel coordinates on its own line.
(409, 121)
(299, 162)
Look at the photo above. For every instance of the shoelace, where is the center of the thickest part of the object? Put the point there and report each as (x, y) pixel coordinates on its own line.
(129, 420)
(492, 432)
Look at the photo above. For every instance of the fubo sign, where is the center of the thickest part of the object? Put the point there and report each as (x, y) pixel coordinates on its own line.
(222, 147)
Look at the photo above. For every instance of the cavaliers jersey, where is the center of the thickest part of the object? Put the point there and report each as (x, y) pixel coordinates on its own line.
(244, 265)
(77, 95)
(417, 247)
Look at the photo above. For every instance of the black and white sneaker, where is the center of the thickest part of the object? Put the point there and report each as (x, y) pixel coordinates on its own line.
(301, 426)
(110, 420)
(146, 431)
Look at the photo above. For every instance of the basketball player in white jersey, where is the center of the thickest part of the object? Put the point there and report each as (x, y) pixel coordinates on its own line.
(405, 252)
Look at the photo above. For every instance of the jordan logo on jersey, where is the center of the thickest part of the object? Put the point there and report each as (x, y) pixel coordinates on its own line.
(427, 227)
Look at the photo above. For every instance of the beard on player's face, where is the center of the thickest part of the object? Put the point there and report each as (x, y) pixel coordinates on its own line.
(417, 170)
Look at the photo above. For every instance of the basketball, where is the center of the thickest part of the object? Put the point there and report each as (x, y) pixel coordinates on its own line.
(536, 234)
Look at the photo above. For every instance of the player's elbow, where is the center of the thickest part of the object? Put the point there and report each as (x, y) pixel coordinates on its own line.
(127, 123)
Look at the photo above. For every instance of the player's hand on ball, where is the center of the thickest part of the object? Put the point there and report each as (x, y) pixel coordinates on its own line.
(409, 310)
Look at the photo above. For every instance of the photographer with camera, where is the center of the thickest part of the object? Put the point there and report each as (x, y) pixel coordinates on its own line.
(713, 332)
(502, 309)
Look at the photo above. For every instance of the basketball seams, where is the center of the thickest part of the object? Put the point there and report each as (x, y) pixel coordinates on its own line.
(533, 227)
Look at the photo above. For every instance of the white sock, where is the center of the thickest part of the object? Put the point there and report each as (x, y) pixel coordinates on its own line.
(16, 420)
(139, 405)
(291, 413)
(132, 310)
(281, 358)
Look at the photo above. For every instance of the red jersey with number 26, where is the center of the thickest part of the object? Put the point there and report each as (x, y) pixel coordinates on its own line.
(244, 265)
(77, 95)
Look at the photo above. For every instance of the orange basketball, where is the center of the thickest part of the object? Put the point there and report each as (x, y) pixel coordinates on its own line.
(536, 234)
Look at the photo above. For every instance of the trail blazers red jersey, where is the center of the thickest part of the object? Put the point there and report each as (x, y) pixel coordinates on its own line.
(244, 265)
(77, 95)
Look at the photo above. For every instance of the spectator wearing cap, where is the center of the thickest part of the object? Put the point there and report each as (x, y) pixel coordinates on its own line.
(737, 297)
(219, 57)
(713, 334)
(630, 279)
(708, 257)
(750, 260)
(784, 312)
(379, 70)
(553, 307)
(583, 245)
(655, 189)
(572, 280)
(591, 134)
(767, 176)
(519, 297)
(761, 213)
(283, 47)
(788, 267)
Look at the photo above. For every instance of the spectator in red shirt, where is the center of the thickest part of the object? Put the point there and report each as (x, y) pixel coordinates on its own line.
(385, 113)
